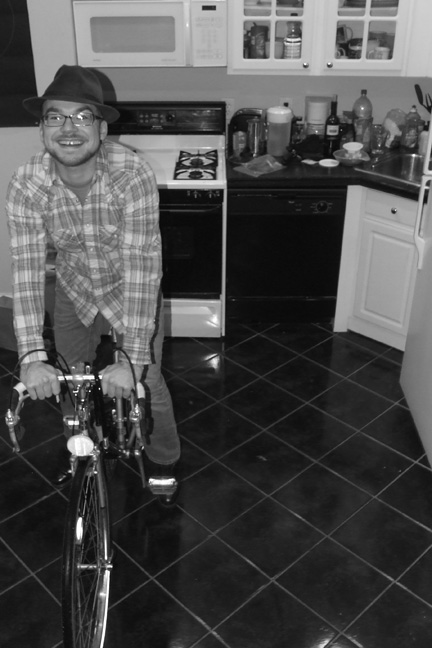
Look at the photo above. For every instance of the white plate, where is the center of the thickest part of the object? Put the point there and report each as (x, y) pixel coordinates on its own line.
(328, 162)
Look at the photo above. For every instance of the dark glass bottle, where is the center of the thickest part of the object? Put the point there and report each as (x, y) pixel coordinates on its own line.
(332, 134)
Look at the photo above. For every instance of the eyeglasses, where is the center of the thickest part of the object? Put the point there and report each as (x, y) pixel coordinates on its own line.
(79, 119)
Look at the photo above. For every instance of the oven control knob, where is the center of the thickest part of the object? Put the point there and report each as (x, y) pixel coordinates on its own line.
(322, 206)
(194, 194)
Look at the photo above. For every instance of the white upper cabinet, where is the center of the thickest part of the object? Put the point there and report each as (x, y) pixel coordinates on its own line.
(325, 37)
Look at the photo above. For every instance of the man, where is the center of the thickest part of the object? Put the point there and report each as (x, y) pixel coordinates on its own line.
(97, 202)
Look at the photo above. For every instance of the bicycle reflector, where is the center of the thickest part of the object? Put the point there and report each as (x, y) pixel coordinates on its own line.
(80, 445)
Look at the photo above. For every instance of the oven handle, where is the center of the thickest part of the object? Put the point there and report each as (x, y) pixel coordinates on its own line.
(192, 208)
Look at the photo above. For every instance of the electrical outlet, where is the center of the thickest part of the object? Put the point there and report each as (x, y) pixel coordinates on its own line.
(285, 100)
(230, 108)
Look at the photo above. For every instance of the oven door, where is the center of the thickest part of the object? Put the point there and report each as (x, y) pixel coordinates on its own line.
(192, 251)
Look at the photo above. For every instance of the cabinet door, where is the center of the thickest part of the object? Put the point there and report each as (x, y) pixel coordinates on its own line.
(385, 282)
(345, 37)
(366, 36)
(257, 29)
(386, 269)
(419, 52)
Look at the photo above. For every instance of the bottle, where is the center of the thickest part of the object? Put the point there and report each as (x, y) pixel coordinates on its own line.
(362, 114)
(279, 121)
(410, 131)
(362, 107)
(423, 140)
(293, 41)
(332, 132)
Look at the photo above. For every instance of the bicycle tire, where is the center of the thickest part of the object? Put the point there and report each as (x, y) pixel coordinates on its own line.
(86, 558)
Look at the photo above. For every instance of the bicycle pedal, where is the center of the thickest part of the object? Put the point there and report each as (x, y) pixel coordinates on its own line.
(162, 485)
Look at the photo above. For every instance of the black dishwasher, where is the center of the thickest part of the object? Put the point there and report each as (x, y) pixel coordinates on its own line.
(283, 253)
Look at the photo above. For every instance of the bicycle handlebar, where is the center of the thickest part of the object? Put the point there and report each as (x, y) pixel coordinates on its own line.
(19, 395)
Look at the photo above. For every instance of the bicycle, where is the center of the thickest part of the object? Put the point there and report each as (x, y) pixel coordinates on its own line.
(95, 446)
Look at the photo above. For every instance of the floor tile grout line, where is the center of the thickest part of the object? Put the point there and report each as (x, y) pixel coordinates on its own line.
(31, 573)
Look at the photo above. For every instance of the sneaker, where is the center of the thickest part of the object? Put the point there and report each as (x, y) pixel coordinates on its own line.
(163, 484)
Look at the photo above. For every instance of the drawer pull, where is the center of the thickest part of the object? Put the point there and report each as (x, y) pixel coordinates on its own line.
(394, 210)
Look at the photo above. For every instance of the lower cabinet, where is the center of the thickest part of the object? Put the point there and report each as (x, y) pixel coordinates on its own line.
(378, 266)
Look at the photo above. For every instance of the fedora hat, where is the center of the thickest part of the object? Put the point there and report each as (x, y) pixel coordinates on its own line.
(77, 84)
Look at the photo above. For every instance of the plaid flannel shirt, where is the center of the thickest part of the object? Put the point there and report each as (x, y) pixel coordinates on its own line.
(108, 250)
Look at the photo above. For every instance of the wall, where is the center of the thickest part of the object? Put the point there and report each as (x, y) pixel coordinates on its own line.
(51, 25)
(17, 144)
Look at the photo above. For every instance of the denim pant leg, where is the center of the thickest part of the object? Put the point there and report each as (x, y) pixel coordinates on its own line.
(74, 342)
(162, 442)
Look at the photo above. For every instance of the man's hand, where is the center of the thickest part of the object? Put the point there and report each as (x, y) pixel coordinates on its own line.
(40, 380)
(117, 379)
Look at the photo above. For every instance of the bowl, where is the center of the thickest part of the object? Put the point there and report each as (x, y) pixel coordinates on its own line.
(344, 158)
(329, 163)
(353, 149)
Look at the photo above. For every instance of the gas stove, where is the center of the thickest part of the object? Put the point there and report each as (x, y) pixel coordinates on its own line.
(184, 143)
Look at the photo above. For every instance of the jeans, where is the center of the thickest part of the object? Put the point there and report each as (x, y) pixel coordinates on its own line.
(76, 342)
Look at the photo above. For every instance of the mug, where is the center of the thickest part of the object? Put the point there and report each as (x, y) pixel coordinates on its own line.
(379, 53)
(355, 47)
(371, 45)
(343, 34)
(340, 53)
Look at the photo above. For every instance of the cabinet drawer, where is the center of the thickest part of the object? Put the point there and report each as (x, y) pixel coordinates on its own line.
(392, 208)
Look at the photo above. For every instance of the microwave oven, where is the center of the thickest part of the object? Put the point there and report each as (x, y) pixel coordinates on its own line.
(150, 33)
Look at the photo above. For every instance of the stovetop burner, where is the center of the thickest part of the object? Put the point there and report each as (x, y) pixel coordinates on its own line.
(196, 165)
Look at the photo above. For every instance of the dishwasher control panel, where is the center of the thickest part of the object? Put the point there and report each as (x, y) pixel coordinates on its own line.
(285, 202)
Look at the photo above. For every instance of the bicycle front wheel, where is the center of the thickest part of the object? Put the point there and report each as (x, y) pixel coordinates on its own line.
(86, 558)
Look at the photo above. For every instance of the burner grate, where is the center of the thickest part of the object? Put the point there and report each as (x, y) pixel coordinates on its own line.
(196, 165)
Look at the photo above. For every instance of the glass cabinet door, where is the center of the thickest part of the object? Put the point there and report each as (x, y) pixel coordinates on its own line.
(368, 35)
(317, 36)
(277, 34)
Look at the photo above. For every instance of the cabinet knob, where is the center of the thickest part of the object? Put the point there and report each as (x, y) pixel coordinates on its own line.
(329, 64)
(305, 64)
(394, 210)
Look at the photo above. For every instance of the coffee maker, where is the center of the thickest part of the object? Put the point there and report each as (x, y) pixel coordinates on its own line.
(239, 124)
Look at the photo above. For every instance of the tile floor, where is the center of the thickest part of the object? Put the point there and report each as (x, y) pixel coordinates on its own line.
(305, 516)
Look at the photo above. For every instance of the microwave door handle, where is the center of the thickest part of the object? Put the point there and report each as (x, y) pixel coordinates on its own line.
(419, 241)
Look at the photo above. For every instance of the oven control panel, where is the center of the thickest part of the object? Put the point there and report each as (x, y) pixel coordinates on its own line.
(169, 118)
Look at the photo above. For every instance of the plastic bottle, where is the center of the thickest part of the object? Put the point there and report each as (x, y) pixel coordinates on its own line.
(279, 121)
(410, 132)
(362, 110)
(292, 44)
(423, 139)
(332, 130)
(362, 107)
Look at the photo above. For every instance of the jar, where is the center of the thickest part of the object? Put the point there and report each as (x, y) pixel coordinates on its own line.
(279, 121)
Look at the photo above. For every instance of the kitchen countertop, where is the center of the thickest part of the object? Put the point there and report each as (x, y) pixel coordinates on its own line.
(296, 174)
